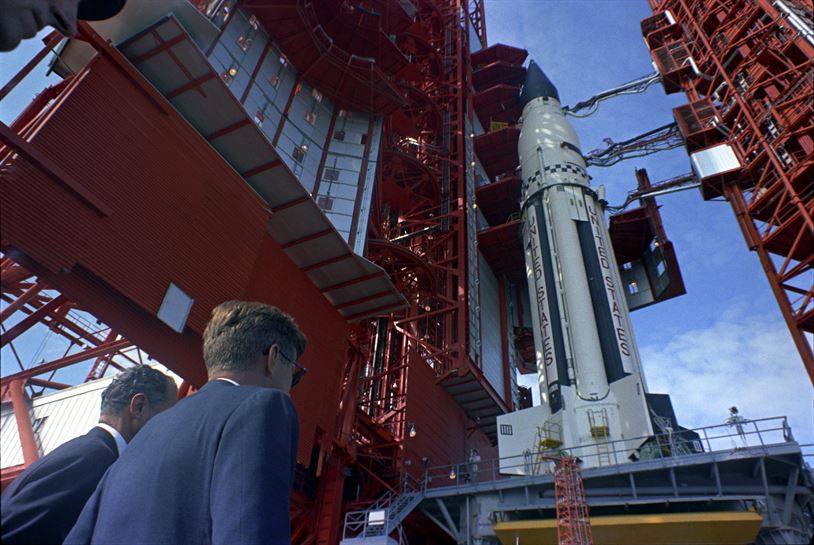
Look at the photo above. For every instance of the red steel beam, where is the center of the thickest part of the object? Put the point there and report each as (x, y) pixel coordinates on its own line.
(231, 128)
(21, 300)
(190, 85)
(377, 310)
(27, 440)
(262, 168)
(256, 70)
(159, 49)
(36, 316)
(307, 238)
(353, 281)
(48, 166)
(50, 42)
(326, 262)
(14, 274)
(48, 384)
(68, 360)
(362, 299)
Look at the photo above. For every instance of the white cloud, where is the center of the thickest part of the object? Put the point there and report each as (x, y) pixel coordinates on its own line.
(742, 359)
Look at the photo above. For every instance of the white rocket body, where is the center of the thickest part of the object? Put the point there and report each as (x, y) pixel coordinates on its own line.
(591, 385)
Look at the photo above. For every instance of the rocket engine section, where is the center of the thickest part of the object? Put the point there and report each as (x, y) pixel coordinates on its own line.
(591, 384)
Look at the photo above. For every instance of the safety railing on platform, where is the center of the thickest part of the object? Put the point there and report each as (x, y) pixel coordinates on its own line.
(385, 515)
(739, 434)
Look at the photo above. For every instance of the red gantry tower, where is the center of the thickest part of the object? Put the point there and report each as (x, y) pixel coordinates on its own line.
(746, 67)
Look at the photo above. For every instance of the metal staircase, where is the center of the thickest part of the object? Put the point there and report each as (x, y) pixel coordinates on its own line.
(375, 524)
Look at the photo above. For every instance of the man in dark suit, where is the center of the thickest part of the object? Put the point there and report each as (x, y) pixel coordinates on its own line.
(218, 467)
(42, 504)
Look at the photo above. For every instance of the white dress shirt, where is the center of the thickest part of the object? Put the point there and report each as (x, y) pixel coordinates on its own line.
(228, 380)
(121, 444)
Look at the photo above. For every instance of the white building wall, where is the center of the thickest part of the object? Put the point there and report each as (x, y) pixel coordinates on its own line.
(56, 418)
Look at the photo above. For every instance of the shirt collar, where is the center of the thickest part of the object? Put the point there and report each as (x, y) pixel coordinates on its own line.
(230, 381)
(121, 444)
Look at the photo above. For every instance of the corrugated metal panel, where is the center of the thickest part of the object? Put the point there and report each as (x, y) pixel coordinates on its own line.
(57, 418)
(179, 212)
(62, 416)
(439, 421)
(10, 452)
(492, 353)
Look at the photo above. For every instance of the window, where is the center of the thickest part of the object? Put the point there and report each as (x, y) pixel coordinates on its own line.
(243, 42)
(259, 117)
(274, 80)
(363, 139)
(311, 117)
(253, 22)
(330, 174)
(317, 95)
(36, 426)
(339, 135)
(661, 268)
(633, 287)
(326, 203)
(299, 153)
(627, 266)
(506, 429)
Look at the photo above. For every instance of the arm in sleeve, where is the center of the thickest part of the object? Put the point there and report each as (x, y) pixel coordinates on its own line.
(49, 504)
(253, 472)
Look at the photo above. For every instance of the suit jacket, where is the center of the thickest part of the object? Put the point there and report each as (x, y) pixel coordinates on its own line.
(216, 468)
(43, 503)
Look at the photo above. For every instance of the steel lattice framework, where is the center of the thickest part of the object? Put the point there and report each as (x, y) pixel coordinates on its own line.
(747, 67)
(573, 522)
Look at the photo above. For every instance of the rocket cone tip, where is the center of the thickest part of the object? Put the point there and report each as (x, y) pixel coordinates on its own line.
(537, 85)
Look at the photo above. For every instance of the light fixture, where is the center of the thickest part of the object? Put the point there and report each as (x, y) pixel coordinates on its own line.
(411, 430)
(452, 474)
(233, 71)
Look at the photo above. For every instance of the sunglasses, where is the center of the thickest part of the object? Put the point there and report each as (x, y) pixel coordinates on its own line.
(299, 369)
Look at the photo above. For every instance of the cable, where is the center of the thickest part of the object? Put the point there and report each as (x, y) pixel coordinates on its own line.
(631, 88)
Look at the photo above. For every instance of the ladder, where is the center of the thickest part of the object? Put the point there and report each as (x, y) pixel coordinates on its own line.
(548, 438)
(600, 431)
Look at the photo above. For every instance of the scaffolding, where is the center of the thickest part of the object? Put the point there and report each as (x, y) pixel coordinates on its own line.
(573, 522)
(745, 66)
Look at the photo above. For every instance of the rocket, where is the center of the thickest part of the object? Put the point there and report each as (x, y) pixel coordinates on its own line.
(592, 389)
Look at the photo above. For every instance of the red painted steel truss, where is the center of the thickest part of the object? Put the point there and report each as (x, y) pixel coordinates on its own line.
(746, 66)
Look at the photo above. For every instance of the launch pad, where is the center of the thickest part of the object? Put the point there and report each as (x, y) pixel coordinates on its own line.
(747, 485)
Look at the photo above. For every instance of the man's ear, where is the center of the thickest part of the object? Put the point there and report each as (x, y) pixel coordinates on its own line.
(270, 359)
(138, 404)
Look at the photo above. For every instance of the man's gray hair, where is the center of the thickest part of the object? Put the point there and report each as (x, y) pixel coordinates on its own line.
(154, 385)
(240, 331)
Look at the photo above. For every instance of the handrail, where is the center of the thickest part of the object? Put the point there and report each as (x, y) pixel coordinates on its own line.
(728, 437)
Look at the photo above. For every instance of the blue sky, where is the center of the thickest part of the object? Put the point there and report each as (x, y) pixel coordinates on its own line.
(724, 343)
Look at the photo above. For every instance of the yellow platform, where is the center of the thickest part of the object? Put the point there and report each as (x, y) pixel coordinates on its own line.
(721, 528)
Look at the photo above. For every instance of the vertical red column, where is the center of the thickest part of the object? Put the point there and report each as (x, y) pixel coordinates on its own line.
(23, 417)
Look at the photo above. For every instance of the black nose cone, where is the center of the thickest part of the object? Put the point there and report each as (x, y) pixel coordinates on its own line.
(536, 85)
